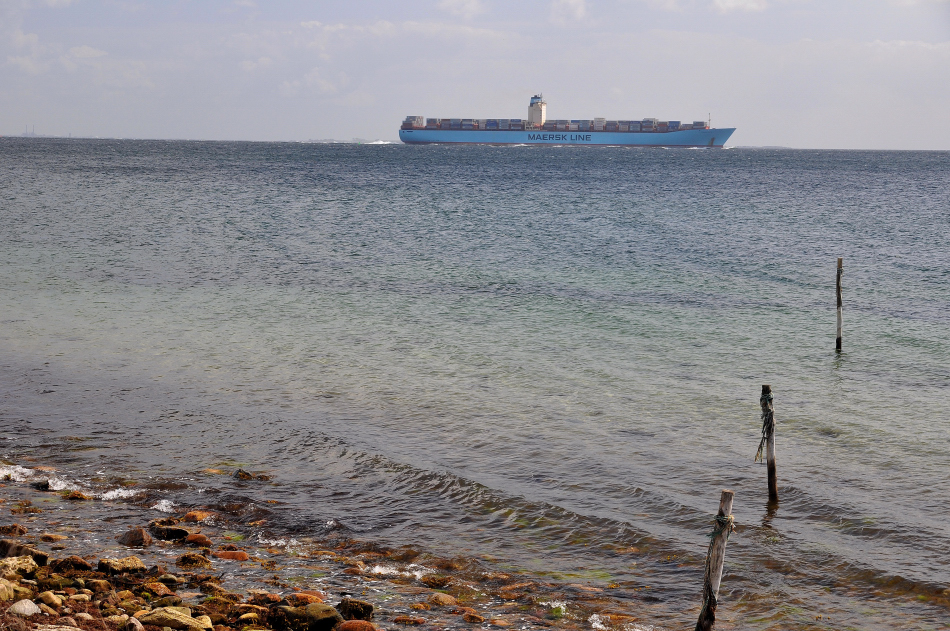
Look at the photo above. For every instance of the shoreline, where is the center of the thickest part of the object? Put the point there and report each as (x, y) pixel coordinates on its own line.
(223, 567)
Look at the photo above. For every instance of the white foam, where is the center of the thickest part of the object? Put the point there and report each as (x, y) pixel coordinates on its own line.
(390, 570)
(116, 494)
(597, 621)
(16, 472)
(58, 484)
(166, 506)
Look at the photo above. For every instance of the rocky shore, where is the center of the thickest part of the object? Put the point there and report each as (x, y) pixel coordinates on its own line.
(69, 561)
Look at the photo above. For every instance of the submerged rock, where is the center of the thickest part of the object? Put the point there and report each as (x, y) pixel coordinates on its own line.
(13, 530)
(136, 538)
(356, 625)
(241, 474)
(442, 600)
(166, 530)
(49, 537)
(198, 539)
(232, 555)
(192, 560)
(198, 515)
(352, 609)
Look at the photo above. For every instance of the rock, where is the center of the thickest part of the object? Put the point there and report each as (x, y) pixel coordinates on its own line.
(22, 591)
(168, 579)
(355, 625)
(198, 515)
(67, 622)
(118, 566)
(80, 598)
(167, 601)
(301, 599)
(118, 619)
(55, 627)
(82, 615)
(24, 608)
(49, 611)
(14, 566)
(11, 549)
(241, 474)
(498, 622)
(198, 539)
(217, 618)
(249, 618)
(172, 618)
(51, 538)
(232, 555)
(54, 582)
(263, 598)
(192, 560)
(136, 538)
(6, 590)
(166, 530)
(133, 624)
(473, 618)
(99, 585)
(442, 600)
(420, 607)
(69, 564)
(51, 599)
(409, 620)
(240, 610)
(352, 609)
(435, 581)
(315, 617)
(77, 496)
(204, 621)
(158, 589)
(12, 530)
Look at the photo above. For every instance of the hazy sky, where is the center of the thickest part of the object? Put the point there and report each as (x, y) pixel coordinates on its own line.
(798, 73)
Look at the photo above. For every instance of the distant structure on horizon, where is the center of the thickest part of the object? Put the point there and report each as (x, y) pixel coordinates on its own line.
(537, 129)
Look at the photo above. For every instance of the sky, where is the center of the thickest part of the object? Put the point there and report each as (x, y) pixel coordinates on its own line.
(836, 74)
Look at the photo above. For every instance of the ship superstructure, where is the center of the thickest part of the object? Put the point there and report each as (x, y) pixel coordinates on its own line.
(537, 129)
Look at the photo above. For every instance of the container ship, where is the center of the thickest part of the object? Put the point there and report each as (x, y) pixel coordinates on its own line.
(537, 130)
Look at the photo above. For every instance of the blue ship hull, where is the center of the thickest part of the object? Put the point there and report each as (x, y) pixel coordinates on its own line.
(685, 138)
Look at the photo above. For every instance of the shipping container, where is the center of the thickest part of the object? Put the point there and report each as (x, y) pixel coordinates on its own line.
(634, 126)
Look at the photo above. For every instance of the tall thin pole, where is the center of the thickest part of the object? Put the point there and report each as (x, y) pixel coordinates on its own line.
(838, 291)
(714, 561)
(768, 441)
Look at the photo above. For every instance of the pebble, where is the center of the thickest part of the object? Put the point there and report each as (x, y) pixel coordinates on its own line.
(82, 615)
(51, 599)
(24, 608)
(473, 618)
(352, 609)
(192, 560)
(232, 555)
(198, 515)
(51, 538)
(409, 620)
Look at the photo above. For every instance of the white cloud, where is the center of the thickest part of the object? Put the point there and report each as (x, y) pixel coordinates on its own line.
(726, 6)
(465, 8)
(250, 66)
(566, 11)
(86, 52)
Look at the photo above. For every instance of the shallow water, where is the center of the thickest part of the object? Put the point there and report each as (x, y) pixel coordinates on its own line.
(549, 358)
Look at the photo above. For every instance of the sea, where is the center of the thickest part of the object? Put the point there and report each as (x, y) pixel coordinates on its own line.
(548, 359)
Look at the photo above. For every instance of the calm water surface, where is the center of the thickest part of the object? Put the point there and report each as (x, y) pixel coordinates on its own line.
(546, 357)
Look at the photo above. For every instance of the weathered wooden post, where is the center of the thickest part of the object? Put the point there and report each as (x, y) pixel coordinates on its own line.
(838, 291)
(768, 441)
(714, 559)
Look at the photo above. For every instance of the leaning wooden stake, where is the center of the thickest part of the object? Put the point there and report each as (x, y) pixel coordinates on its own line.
(768, 441)
(714, 559)
(838, 291)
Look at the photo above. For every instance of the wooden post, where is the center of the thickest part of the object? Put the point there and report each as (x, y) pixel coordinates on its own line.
(768, 441)
(714, 560)
(838, 291)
